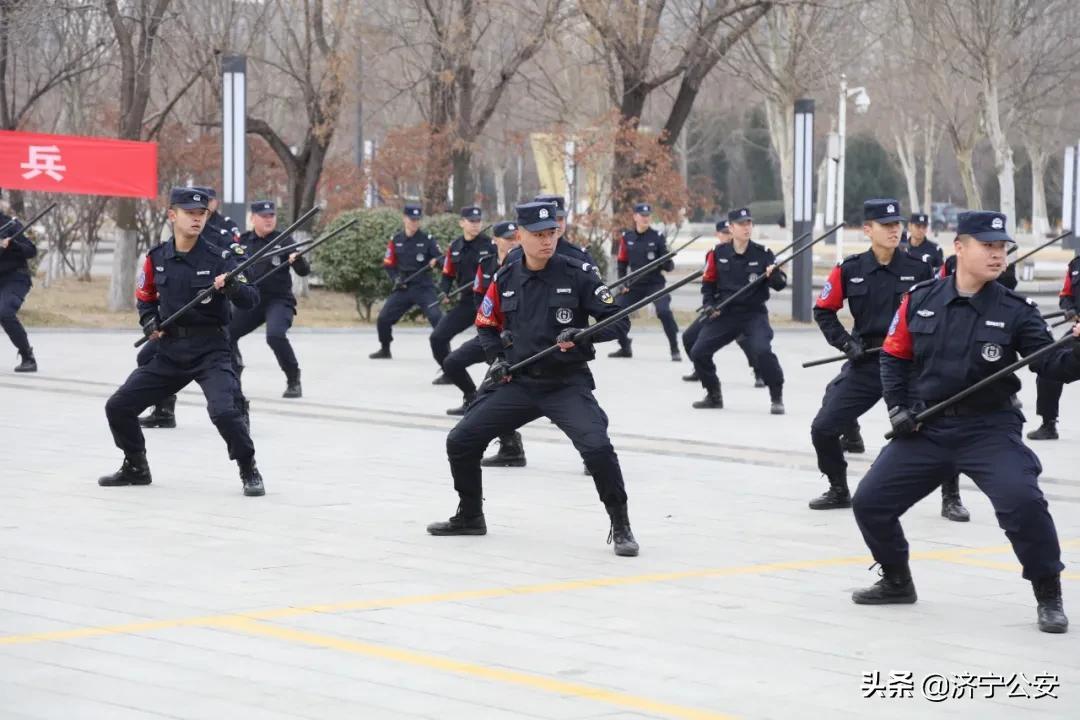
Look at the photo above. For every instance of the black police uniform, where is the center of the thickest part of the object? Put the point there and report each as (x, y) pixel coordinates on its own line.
(941, 343)
(277, 304)
(1048, 398)
(404, 256)
(637, 249)
(15, 283)
(220, 230)
(196, 348)
(873, 292)
(471, 352)
(726, 272)
(523, 312)
(462, 259)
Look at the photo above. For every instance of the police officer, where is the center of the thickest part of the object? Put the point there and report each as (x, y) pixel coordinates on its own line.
(1048, 399)
(946, 336)
(462, 259)
(221, 232)
(16, 250)
(531, 305)
(219, 229)
(511, 449)
(690, 335)
(195, 348)
(640, 246)
(407, 252)
(729, 268)
(277, 304)
(918, 245)
(873, 283)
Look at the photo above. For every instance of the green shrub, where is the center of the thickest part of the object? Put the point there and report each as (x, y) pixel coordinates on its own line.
(352, 262)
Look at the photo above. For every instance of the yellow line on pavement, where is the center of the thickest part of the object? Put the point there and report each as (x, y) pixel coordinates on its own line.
(473, 670)
(487, 594)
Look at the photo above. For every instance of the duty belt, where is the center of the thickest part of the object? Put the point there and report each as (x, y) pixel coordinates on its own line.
(962, 409)
(183, 331)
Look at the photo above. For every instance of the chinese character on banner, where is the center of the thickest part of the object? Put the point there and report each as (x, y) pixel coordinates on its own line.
(43, 159)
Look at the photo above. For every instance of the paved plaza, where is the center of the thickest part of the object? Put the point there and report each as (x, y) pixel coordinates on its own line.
(326, 599)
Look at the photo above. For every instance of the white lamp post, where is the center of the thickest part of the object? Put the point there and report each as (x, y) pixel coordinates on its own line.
(862, 104)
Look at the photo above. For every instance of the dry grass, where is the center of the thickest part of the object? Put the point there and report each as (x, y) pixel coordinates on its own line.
(70, 303)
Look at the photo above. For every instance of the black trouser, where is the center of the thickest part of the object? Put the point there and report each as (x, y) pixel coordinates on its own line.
(179, 361)
(850, 395)
(471, 352)
(690, 336)
(663, 311)
(278, 314)
(400, 302)
(987, 448)
(1048, 397)
(14, 287)
(460, 318)
(569, 404)
(718, 332)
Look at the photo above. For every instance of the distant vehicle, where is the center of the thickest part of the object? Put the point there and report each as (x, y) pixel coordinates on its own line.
(943, 216)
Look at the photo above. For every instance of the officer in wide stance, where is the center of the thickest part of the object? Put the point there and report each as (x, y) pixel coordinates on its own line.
(194, 348)
(947, 335)
(531, 305)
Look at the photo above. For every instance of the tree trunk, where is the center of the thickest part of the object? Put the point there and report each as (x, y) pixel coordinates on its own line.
(1040, 225)
(999, 140)
(122, 281)
(633, 102)
(931, 140)
(779, 117)
(966, 164)
(905, 150)
(500, 190)
(461, 162)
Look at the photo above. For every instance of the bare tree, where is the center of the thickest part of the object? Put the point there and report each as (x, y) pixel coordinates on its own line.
(645, 45)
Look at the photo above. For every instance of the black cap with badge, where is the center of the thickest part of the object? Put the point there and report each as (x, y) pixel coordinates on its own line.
(883, 210)
(263, 207)
(919, 219)
(557, 200)
(505, 230)
(209, 191)
(536, 216)
(722, 226)
(412, 211)
(188, 198)
(983, 225)
(739, 215)
(471, 212)
(643, 209)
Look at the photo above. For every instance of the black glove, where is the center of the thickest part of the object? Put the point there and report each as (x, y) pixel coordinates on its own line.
(903, 421)
(571, 335)
(854, 349)
(230, 287)
(499, 372)
(150, 327)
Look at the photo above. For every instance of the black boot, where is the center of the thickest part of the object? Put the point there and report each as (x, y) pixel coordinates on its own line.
(1051, 613)
(252, 479)
(852, 442)
(292, 384)
(894, 588)
(382, 354)
(466, 401)
(162, 416)
(442, 380)
(712, 399)
(466, 521)
(692, 377)
(29, 363)
(759, 382)
(624, 351)
(676, 356)
(511, 453)
(620, 531)
(776, 401)
(951, 507)
(133, 471)
(1046, 431)
(836, 497)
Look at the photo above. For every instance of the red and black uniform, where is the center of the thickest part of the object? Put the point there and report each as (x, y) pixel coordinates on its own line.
(463, 257)
(636, 250)
(15, 282)
(404, 256)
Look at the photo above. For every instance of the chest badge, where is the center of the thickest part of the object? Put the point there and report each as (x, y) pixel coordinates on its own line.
(419, 257)
(907, 278)
(925, 313)
(276, 260)
(564, 316)
(991, 352)
(753, 277)
(650, 255)
(856, 281)
(203, 272)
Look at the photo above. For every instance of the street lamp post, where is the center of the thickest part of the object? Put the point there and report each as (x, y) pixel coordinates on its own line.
(862, 104)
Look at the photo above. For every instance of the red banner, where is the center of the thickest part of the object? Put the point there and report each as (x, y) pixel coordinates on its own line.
(80, 165)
